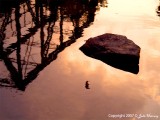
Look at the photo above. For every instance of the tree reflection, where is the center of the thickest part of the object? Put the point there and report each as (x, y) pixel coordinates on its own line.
(158, 10)
(50, 20)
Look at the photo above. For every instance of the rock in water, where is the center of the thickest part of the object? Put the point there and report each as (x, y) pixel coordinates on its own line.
(115, 50)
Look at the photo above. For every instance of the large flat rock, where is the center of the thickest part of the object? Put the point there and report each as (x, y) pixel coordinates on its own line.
(115, 50)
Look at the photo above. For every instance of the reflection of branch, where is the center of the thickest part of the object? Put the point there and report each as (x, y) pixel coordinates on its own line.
(32, 31)
(3, 26)
(14, 73)
(31, 11)
(6, 60)
(29, 54)
(46, 44)
(46, 57)
(23, 62)
(13, 46)
(18, 29)
(49, 37)
(52, 56)
(61, 25)
(5, 22)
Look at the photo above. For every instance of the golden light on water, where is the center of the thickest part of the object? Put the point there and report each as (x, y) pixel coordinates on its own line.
(133, 7)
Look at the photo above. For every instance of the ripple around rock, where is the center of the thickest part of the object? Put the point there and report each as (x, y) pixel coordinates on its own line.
(115, 50)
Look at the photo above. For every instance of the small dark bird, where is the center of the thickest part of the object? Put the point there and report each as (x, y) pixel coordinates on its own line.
(87, 85)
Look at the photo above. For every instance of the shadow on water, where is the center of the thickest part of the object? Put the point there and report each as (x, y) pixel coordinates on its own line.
(45, 19)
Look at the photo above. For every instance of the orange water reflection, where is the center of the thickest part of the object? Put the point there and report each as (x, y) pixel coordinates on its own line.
(59, 91)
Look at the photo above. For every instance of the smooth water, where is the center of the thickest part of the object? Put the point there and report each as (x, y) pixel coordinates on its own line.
(43, 73)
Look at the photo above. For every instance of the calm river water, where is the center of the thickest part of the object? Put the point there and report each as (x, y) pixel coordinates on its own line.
(43, 73)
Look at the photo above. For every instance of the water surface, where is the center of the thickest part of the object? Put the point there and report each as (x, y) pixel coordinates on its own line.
(43, 73)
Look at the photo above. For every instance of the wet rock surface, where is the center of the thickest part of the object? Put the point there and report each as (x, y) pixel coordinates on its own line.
(115, 50)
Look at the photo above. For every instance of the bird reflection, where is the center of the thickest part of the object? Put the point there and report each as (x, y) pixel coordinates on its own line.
(37, 24)
(87, 85)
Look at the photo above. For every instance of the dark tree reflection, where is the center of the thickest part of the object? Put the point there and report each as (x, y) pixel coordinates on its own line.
(158, 10)
(47, 26)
